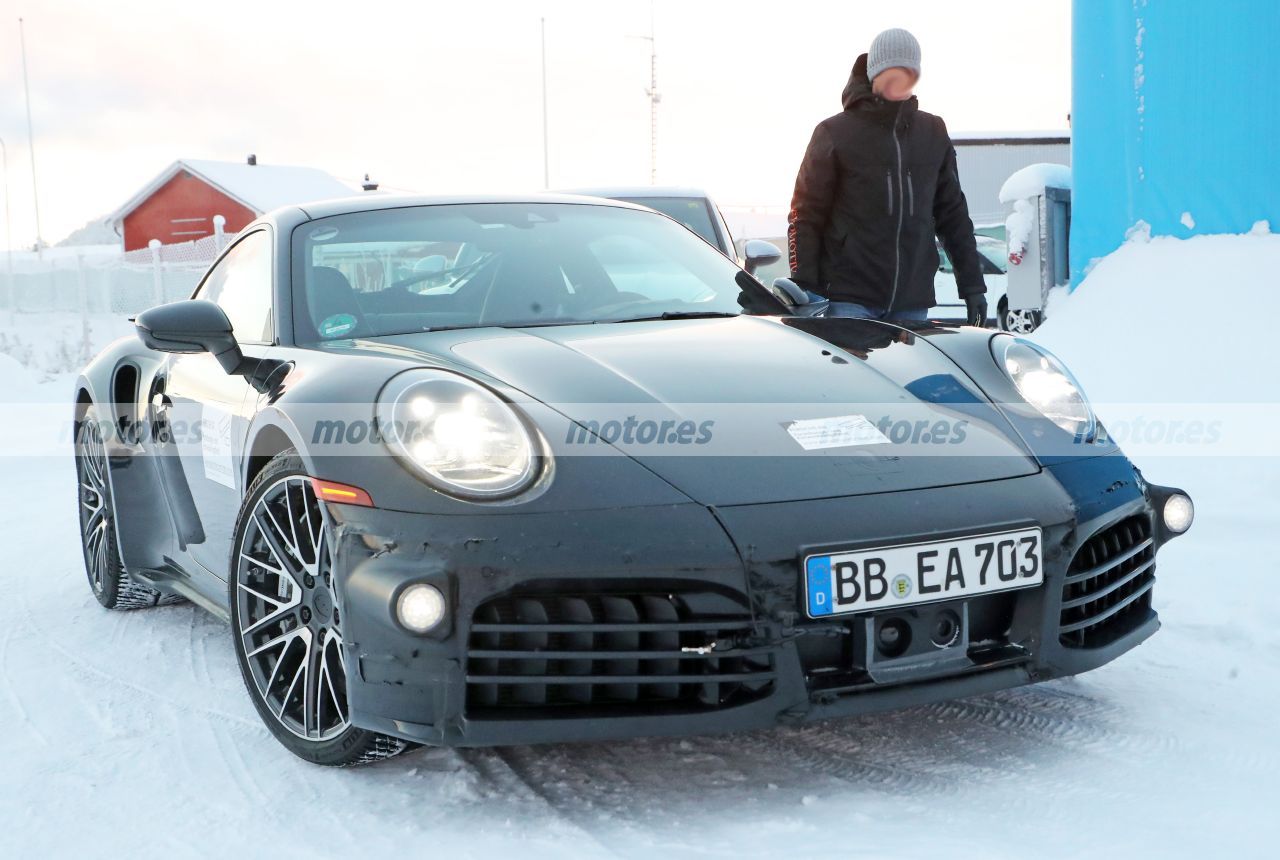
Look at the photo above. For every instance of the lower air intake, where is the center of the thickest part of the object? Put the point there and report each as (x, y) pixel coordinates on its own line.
(1108, 587)
(632, 653)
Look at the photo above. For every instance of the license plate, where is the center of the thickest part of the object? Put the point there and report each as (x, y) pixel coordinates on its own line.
(908, 574)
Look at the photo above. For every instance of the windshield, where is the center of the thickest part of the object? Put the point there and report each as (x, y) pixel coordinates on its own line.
(996, 253)
(692, 212)
(424, 268)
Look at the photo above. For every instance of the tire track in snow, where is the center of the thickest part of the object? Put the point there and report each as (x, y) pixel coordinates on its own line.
(196, 654)
(502, 777)
(241, 775)
(854, 751)
(89, 669)
(1072, 721)
(12, 693)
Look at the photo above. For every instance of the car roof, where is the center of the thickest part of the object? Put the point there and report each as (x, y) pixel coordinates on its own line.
(372, 202)
(613, 192)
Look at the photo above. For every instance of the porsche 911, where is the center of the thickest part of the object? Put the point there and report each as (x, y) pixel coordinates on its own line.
(506, 470)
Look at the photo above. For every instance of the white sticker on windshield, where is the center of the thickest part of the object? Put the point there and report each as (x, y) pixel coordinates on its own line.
(814, 434)
(215, 446)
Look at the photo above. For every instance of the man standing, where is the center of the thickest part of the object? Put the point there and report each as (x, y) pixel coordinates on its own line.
(877, 183)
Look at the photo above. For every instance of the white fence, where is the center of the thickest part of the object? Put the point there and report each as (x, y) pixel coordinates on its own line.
(103, 281)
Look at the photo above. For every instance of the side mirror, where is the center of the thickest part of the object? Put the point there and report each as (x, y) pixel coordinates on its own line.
(804, 304)
(190, 326)
(760, 253)
(790, 291)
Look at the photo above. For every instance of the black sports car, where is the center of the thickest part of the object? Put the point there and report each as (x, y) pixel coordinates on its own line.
(493, 471)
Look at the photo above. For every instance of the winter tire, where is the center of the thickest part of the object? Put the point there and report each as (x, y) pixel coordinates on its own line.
(286, 621)
(111, 583)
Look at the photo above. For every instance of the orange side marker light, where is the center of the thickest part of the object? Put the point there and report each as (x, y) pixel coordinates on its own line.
(345, 494)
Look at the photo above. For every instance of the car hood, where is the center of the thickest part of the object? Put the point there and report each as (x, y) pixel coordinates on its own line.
(754, 378)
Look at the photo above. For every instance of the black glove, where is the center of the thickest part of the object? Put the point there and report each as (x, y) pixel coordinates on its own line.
(976, 309)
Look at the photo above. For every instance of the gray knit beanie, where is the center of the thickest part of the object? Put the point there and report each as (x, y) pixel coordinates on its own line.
(893, 48)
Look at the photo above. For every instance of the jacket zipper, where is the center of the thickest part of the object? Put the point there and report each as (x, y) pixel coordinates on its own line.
(888, 189)
(897, 239)
(911, 194)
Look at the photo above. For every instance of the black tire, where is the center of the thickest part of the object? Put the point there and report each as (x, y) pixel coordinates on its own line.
(109, 581)
(281, 594)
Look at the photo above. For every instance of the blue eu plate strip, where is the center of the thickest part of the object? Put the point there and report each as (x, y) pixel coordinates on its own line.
(818, 577)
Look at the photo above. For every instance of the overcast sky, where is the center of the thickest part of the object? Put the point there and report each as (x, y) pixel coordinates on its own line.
(446, 97)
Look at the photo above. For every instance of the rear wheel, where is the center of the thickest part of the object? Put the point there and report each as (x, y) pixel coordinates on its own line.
(287, 624)
(111, 583)
(1017, 321)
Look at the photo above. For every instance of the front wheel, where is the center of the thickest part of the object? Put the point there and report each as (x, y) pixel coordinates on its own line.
(287, 624)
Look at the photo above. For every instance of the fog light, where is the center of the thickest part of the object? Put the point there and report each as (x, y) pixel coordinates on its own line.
(1178, 513)
(420, 607)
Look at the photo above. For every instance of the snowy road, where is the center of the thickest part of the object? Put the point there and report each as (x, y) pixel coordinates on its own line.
(131, 732)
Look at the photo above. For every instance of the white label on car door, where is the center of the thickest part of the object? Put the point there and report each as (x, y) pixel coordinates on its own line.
(814, 434)
(215, 446)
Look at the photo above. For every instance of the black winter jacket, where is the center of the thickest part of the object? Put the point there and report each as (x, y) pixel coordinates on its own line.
(877, 183)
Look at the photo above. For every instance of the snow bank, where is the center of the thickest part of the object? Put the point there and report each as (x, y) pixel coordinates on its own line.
(1167, 320)
(1165, 328)
(52, 343)
(1033, 179)
(19, 387)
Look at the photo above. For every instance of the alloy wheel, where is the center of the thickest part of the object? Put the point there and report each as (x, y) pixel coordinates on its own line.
(95, 513)
(1021, 321)
(288, 621)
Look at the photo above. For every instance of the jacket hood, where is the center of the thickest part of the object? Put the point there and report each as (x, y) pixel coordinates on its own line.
(859, 86)
(858, 89)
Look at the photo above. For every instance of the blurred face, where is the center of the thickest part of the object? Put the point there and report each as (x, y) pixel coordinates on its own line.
(895, 84)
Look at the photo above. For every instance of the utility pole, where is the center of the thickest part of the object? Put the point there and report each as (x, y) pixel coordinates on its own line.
(654, 97)
(546, 157)
(31, 141)
(8, 227)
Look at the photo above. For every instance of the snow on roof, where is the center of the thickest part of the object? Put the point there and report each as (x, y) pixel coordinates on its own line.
(1032, 180)
(260, 187)
(1010, 137)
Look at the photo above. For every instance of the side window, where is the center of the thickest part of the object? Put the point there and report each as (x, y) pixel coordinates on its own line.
(241, 286)
(944, 262)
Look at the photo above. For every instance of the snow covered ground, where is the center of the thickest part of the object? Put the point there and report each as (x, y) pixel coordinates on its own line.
(130, 733)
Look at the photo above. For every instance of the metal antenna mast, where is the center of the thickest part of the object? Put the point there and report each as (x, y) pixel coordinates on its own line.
(654, 98)
(546, 157)
(31, 140)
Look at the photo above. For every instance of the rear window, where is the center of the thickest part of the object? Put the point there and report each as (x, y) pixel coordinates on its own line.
(692, 212)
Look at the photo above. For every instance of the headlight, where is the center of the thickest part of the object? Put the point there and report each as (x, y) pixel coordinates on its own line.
(460, 436)
(1046, 384)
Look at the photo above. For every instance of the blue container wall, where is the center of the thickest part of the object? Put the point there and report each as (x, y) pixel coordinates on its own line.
(1175, 108)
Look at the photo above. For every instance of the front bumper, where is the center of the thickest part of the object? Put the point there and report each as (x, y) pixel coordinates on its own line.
(679, 619)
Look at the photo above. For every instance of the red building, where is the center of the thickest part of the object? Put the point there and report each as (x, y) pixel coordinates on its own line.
(180, 204)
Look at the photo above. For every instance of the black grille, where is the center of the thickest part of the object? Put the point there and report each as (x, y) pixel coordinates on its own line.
(1108, 587)
(635, 652)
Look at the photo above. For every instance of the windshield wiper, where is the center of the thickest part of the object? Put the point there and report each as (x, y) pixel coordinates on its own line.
(680, 315)
(514, 324)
